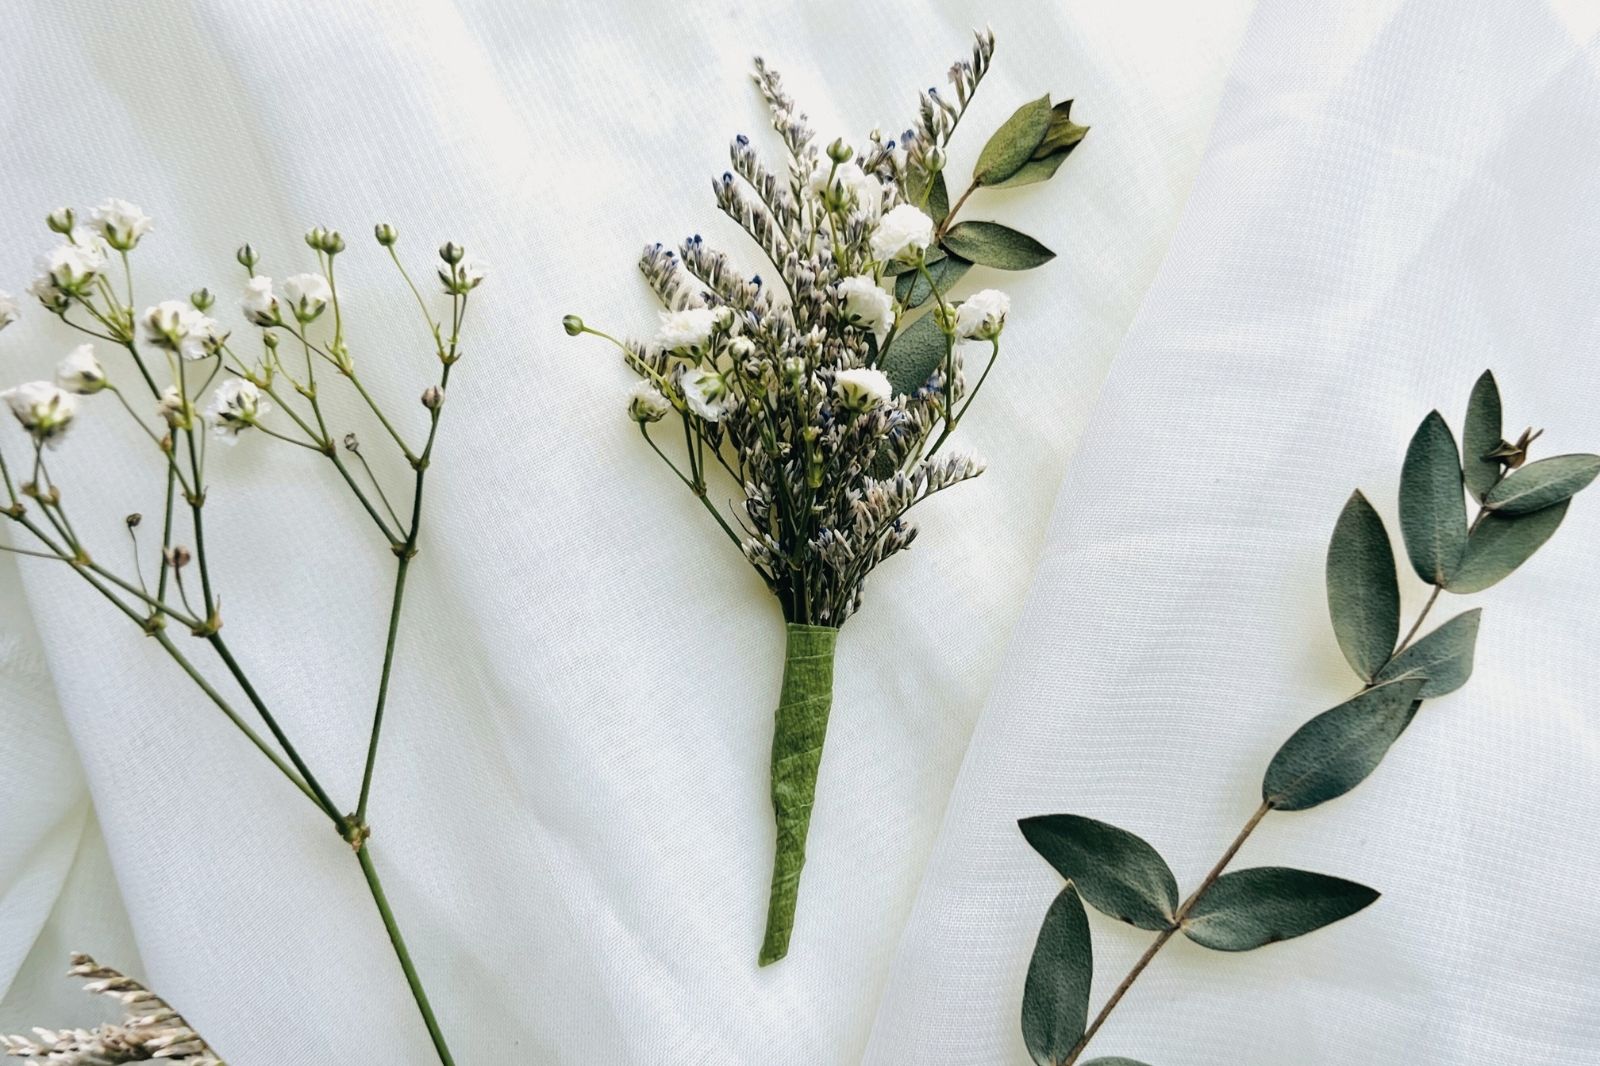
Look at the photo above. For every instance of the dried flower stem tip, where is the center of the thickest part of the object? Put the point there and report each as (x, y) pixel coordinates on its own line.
(151, 1029)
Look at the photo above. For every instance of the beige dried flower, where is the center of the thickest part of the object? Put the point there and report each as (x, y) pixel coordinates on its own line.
(151, 1030)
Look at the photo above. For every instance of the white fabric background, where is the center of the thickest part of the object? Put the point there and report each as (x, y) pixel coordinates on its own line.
(571, 808)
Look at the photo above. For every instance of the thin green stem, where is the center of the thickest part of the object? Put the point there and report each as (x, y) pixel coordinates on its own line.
(243, 680)
(404, 955)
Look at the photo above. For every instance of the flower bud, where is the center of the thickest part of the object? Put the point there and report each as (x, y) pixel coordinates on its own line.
(315, 236)
(202, 299)
(269, 339)
(433, 397)
(134, 519)
(840, 152)
(451, 252)
(60, 220)
(178, 557)
(572, 324)
(333, 243)
(935, 159)
(246, 256)
(386, 234)
(351, 444)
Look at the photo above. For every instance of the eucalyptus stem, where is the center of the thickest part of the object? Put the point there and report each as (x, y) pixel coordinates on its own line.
(1165, 935)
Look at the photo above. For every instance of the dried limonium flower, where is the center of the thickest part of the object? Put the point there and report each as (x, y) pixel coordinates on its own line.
(1124, 877)
(150, 1029)
(178, 351)
(821, 399)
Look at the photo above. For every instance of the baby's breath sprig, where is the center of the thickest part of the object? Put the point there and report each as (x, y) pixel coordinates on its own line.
(817, 404)
(180, 352)
(150, 1029)
(1124, 877)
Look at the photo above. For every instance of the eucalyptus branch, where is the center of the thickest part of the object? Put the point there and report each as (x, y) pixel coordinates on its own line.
(1125, 878)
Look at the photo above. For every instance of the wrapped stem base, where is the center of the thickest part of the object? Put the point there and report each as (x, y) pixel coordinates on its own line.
(802, 722)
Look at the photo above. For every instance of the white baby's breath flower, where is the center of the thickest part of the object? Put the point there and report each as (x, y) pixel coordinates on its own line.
(462, 277)
(982, 315)
(862, 388)
(120, 223)
(44, 410)
(81, 372)
(173, 411)
(260, 303)
(706, 392)
(43, 288)
(167, 323)
(202, 336)
(307, 295)
(687, 330)
(70, 267)
(866, 305)
(646, 404)
(235, 405)
(903, 234)
(846, 185)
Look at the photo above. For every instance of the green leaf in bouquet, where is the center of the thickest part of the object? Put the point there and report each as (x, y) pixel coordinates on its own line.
(1443, 658)
(1250, 908)
(993, 245)
(1116, 872)
(935, 200)
(1542, 484)
(914, 354)
(1502, 542)
(899, 268)
(1059, 140)
(1055, 999)
(1335, 751)
(1363, 590)
(1014, 142)
(912, 290)
(1480, 436)
(1433, 509)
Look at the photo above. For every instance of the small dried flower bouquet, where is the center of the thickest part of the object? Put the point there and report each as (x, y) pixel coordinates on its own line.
(825, 397)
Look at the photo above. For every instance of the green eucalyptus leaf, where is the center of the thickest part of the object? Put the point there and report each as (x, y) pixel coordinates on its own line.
(914, 354)
(1059, 140)
(938, 197)
(1014, 142)
(1501, 543)
(1542, 484)
(1481, 435)
(1443, 658)
(1250, 908)
(993, 245)
(1433, 511)
(899, 268)
(912, 290)
(1055, 999)
(1116, 872)
(1335, 751)
(1363, 590)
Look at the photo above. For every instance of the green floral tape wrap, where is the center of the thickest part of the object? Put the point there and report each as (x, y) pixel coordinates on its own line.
(802, 722)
